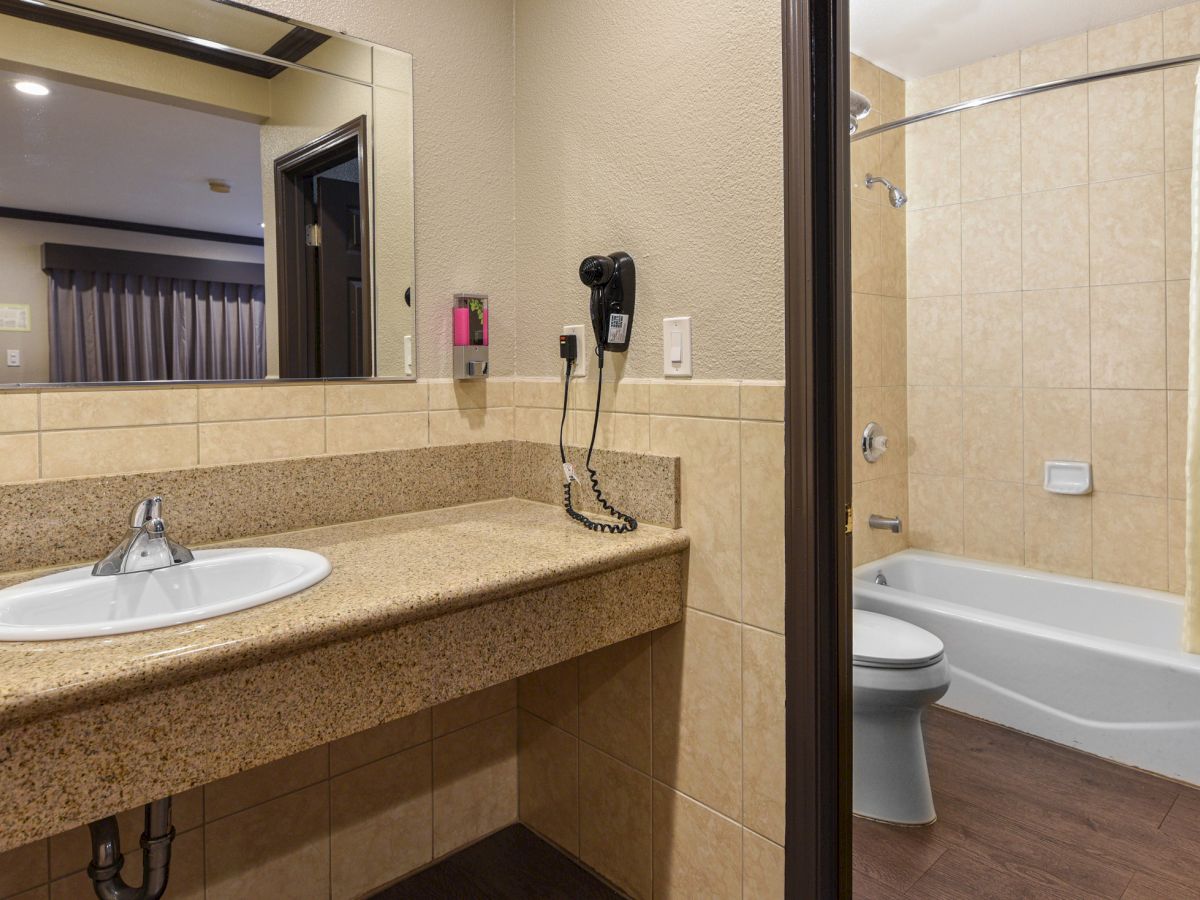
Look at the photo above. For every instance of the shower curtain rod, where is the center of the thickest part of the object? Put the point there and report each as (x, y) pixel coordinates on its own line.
(1031, 89)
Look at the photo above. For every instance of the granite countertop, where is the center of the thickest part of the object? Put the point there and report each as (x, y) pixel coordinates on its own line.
(386, 572)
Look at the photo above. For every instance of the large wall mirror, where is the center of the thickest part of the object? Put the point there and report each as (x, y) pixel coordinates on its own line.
(192, 190)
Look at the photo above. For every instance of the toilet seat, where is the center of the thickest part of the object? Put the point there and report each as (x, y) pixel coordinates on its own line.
(884, 642)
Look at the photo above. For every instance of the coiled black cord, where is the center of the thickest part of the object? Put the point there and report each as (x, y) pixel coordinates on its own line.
(626, 523)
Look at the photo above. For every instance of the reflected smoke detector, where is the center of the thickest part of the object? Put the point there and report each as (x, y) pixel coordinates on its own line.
(860, 108)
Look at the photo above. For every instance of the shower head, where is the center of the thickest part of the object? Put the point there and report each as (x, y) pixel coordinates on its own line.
(896, 197)
(860, 108)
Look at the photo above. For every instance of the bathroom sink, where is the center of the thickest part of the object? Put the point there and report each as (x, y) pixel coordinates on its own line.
(76, 603)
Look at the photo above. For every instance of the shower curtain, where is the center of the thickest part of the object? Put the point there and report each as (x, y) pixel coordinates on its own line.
(1191, 613)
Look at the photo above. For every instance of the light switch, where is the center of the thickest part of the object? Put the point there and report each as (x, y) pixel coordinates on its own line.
(14, 357)
(677, 346)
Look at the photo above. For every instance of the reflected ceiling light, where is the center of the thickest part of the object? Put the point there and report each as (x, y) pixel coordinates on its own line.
(262, 224)
(33, 88)
(218, 186)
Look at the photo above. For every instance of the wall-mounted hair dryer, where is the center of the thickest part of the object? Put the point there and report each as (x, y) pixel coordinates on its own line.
(613, 283)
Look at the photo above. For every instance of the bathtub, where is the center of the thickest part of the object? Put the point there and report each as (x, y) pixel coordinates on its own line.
(1088, 664)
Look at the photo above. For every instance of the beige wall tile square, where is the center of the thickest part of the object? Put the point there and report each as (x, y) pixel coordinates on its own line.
(991, 245)
(894, 237)
(543, 425)
(931, 92)
(991, 151)
(381, 822)
(1054, 139)
(378, 431)
(545, 393)
(470, 425)
(712, 399)
(762, 524)
(553, 694)
(764, 768)
(474, 782)
(1126, 43)
(1055, 338)
(342, 398)
(891, 96)
(697, 852)
(990, 76)
(1177, 440)
(762, 868)
(993, 521)
(18, 457)
(709, 451)
(115, 408)
(888, 497)
(615, 695)
(867, 340)
(935, 430)
(1178, 223)
(18, 412)
(1127, 230)
(41, 893)
(991, 339)
(262, 783)
(1058, 532)
(1177, 335)
(112, 451)
(1054, 239)
(1129, 336)
(616, 431)
(1181, 30)
(935, 511)
(226, 403)
(864, 78)
(864, 161)
(1130, 540)
(627, 395)
(616, 822)
(23, 868)
(934, 252)
(549, 781)
(866, 247)
(933, 157)
(893, 416)
(991, 433)
(474, 707)
(894, 327)
(1129, 442)
(1179, 105)
(763, 400)
(276, 849)
(1176, 545)
(1054, 60)
(867, 406)
(1057, 425)
(376, 743)
(935, 340)
(1126, 126)
(697, 675)
(479, 394)
(238, 442)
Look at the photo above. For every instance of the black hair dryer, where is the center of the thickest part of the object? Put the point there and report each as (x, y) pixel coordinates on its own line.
(613, 282)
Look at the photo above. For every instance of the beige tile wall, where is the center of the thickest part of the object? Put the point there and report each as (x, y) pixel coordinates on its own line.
(659, 762)
(1048, 257)
(879, 312)
(333, 822)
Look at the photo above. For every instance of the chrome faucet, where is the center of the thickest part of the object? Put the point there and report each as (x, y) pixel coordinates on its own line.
(146, 546)
(886, 523)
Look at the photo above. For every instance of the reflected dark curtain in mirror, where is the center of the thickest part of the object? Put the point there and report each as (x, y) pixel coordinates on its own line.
(116, 327)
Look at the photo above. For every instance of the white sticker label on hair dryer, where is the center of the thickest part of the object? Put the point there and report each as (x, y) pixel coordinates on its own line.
(618, 328)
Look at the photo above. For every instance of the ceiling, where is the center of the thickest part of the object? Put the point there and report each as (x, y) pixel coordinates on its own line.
(234, 26)
(914, 38)
(88, 152)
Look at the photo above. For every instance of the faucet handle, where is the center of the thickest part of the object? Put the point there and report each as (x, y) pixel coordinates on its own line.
(148, 512)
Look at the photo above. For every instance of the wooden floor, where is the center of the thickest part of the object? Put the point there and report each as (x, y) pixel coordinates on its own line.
(1023, 818)
(513, 864)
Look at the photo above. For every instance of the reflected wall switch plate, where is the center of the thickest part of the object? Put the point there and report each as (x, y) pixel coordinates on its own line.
(1067, 477)
(579, 370)
(677, 346)
(408, 355)
(14, 357)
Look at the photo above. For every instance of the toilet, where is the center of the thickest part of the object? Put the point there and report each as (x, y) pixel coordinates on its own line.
(899, 670)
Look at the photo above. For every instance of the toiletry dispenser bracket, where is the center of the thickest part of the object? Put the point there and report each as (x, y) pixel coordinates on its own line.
(470, 335)
(1067, 477)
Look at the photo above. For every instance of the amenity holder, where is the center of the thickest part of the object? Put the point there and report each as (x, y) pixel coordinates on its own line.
(470, 335)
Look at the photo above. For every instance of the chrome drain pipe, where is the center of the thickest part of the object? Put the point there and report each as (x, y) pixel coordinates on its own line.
(105, 868)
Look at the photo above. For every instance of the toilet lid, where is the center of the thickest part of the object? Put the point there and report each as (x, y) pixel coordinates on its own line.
(887, 643)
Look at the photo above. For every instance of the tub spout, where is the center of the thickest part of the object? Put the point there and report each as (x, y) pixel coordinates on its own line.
(105, 868)
(886, 523)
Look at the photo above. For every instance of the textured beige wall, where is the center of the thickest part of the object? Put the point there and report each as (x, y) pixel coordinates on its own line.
(1048, 254)
(654, 128)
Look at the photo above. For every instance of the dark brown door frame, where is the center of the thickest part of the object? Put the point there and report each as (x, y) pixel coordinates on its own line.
(296, 262)
(817, 482)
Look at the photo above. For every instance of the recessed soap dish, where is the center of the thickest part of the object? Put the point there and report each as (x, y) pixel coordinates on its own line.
(1067, 477)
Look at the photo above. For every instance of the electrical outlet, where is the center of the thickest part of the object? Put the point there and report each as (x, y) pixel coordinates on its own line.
(14, 357)
(579, 370)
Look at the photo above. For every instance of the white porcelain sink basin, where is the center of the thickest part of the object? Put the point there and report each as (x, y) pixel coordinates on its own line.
(76, 603)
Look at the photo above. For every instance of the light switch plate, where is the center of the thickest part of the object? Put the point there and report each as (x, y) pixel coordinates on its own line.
(579, 370)
(14, 357)
(677, 346)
